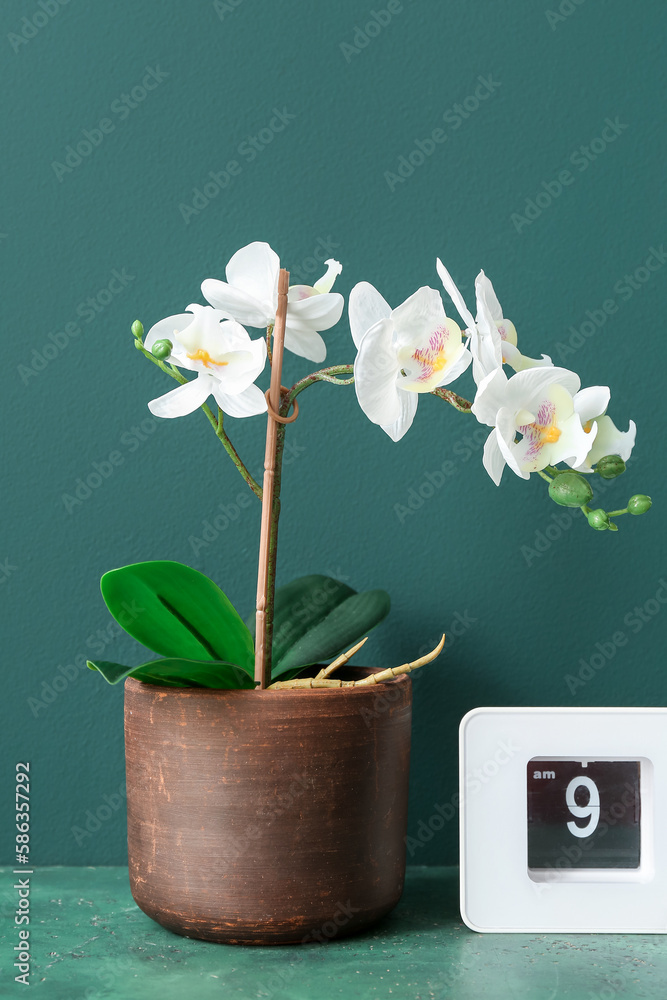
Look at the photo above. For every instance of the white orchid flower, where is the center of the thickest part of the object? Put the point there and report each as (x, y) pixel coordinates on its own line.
(608, 439)
(400, 353)
(493, 338)
(540, 405)
(250, 295)
(226, 360)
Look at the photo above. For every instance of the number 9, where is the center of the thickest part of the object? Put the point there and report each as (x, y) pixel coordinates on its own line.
(591, 810)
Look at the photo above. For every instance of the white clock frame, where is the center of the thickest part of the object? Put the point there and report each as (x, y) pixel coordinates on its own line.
(498, 893)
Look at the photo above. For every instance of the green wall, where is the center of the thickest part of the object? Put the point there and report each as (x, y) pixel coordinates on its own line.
(530, 595)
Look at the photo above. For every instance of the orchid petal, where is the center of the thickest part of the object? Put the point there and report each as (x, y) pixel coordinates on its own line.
(375, 372)
(455, 295)
(574, 442)
(248, 403)
(527, 388)
(204, 335)
(241, 368)
(166, 329)
(408, 403)
(491, 395)
(519, 362)
(325, 283)
(460, 363)
(427, 342)
(591, 402)
(484, 293)
(485, 342)
(254, 270)
(505, 438)
(305, 342)
(493, 459)
(416, 318)
(244, 308)
(366, 307)
(319, 312)
(184, 398)
(609, 441)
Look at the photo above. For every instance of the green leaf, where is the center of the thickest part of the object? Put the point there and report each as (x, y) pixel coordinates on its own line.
(177, 612)
(178, 673)
(317, 617)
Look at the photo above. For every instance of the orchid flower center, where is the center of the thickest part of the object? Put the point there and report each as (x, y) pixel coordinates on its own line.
(543, 429)
(432, 359)
(205, 358)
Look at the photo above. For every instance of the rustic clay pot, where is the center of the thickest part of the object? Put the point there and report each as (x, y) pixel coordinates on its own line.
(267, 817)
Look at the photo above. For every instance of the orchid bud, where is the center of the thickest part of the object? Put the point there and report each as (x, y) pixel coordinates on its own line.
(598, 519)
(138, 329)
(610, 466)
(639, 504)
(161, 349)
(569, 489)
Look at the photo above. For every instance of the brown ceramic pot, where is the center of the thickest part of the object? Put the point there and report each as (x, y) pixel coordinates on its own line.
(267, 817)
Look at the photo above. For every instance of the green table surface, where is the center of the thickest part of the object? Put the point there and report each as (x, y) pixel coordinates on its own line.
(89, 939)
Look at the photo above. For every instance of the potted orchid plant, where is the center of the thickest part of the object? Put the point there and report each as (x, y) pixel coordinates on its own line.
(236, 777)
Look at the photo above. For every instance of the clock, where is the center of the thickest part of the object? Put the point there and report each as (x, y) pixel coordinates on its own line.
(564, 820)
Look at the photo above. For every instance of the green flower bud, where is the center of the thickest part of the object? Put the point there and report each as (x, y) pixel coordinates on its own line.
(569, 489)
(610, 466)
(639, 504)
(138, 329)
(598, 519)
(161, 349)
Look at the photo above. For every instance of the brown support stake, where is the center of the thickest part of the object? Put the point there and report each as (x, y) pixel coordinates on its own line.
(262, 653)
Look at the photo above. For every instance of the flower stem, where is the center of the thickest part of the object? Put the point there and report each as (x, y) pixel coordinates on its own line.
(232, 452)
(269, 352)
(458, 402)
(544, 476)
(323, 375)
(215, 423)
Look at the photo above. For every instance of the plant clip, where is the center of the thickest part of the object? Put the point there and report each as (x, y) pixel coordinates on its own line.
(276, 416)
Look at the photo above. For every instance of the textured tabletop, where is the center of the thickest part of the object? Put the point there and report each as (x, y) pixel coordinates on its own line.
(89, 939)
